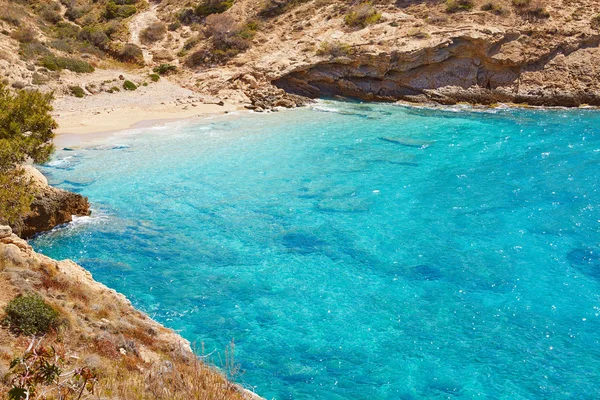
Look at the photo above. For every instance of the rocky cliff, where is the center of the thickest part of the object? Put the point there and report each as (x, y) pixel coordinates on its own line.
(51, 206)
(133, 356)
(537, 52)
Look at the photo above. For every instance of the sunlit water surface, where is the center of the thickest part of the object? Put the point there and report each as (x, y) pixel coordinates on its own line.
(359, 251)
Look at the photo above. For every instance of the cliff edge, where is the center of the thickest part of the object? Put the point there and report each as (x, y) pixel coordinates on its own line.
(133, 356)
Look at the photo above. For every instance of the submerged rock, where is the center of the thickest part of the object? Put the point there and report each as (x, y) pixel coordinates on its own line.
(51, 207)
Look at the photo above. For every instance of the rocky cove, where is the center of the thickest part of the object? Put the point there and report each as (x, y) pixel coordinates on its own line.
(478, 67)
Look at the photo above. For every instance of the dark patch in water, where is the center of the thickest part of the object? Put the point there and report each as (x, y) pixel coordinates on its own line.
(303, 243)
(408, 142)
(426, 272)
(585, 260)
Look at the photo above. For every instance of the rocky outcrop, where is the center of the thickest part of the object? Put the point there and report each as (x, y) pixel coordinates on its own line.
(482, 68)
(51, 207)
(104, 331)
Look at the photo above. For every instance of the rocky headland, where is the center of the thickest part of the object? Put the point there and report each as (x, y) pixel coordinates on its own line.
(50, 207)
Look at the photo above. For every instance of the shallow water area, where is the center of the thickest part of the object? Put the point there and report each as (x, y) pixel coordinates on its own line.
(358, 251)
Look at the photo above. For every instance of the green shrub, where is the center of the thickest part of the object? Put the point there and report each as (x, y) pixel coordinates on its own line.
(30, 51)
(186, 16)
(154, 77)
(66, 30)
(128, 85)
(77, 91)
(334, 49)
(76, 10)
(453, 6)
(362, 15)
(94, 35)
(595, 22)
(165, 69)
(50, 12)
(521, 3)
(173, 26)
(54, 63)
(30, 315)
(113, 10)
(208, 7)
(114, 89)
(62, 45)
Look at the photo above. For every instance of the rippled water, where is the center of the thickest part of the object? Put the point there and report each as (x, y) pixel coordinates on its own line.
(359, 251)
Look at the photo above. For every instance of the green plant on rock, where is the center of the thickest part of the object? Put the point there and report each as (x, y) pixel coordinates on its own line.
(334, 49)
(113, 10)
(164, 69)
(453, 6)
(30, 315)
(362, 15)
(26, 132)
(154, 77)
(208, 7)
(77, 91)
(54, 63)
(128, 85)
(595, 22)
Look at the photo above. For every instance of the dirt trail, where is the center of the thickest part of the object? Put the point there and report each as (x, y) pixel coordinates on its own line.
(137, 24)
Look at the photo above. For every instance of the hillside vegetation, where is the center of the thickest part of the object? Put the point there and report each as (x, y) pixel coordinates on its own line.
(531, 51)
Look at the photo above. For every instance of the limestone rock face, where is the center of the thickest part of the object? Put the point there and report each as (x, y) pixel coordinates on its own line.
(484, 68)
(50, 208)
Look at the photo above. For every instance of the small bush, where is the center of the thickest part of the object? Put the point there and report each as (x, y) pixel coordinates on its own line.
(50, 12)
(335, 49)
(209, 7)
(186, 16)
(530, 9)
(227, 36)
(273, 8)
(362, 15)
(595, 22)
(153, 33)
(29, 51)
(24, 34)
(453, 6)
(66, 30)
(12, 13)
(154, 77)
(30, 315)
(128, 85)
(113, 10)
(165, 69)
(131, 53)
(76, 10)
(114, 89)
(94, 35)
(62, 45)
(173, 26)
(54, 63)
(493, 7)
(77, 91)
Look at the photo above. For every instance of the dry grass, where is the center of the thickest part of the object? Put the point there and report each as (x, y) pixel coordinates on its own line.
(132, 356)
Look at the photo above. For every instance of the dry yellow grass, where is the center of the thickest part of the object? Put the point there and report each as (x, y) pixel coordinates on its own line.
(132, 356)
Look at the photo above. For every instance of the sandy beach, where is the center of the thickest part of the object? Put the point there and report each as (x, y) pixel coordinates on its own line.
(102, 113)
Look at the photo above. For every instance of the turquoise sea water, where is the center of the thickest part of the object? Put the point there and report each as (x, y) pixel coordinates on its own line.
(359, 251)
